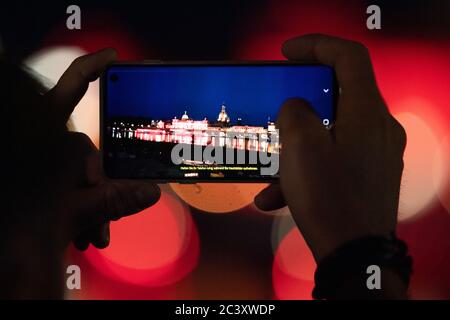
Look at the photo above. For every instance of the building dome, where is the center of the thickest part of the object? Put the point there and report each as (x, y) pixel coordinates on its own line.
(223, 116)
(185, 116)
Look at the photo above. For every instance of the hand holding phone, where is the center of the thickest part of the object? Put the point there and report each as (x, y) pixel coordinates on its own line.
(344, 183)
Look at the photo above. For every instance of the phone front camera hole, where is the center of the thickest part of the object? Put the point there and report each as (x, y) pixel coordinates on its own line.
(114, 77)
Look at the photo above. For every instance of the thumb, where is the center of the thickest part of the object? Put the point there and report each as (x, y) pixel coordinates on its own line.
(296, 120)
(302, 135)
(298, 123)
(74, 82)
(270, 198)
(111, 200)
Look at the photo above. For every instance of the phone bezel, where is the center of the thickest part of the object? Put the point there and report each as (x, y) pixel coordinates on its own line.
(103, 82)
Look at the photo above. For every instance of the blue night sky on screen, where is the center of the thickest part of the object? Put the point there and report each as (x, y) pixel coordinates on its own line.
(252, 93)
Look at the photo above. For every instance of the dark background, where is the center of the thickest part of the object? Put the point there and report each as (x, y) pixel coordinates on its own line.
(197, 29)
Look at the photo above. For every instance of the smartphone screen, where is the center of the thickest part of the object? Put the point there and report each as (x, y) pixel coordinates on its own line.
(203, 122)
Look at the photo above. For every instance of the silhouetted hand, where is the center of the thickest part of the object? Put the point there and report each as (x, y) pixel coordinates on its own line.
(56, 190)
(343, 183)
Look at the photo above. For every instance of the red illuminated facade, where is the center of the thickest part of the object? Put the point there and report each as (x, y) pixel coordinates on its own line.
(202, 132)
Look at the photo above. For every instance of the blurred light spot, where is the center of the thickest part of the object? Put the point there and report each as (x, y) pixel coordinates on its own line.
(408, 86)
(218, 197)
(417, 189)
(106, 30)
(293, 268)
(156, 247)
(51, 63)
(268, 28)
(283, 223)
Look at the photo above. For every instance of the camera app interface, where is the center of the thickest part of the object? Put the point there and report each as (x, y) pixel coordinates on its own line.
(209, 122)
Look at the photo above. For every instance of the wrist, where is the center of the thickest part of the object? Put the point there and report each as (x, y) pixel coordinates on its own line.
(391, 288)
(328, 242)
(359, 268)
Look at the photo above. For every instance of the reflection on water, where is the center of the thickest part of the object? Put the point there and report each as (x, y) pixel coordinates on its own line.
(236, 137)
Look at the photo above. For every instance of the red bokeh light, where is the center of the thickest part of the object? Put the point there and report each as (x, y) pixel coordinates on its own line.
(156, 247)
(101, 30)
(293, 268)
(269, 28)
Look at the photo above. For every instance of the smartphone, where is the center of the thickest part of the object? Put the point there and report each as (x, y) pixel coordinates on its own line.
(203, 121)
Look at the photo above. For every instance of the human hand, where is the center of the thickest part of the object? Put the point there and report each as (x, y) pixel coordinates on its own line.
(98, 200)
(56, 189)
(339, 184)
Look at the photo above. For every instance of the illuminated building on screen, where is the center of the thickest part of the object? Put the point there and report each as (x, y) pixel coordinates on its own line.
(223, 117)
(201, 132)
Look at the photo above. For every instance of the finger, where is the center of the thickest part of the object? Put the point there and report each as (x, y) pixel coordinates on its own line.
(82, 160)
(271, 198)
(74, 82)
(350, 60)
(99, 236)
(297, 121)
(110, 201)
(81, 242)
